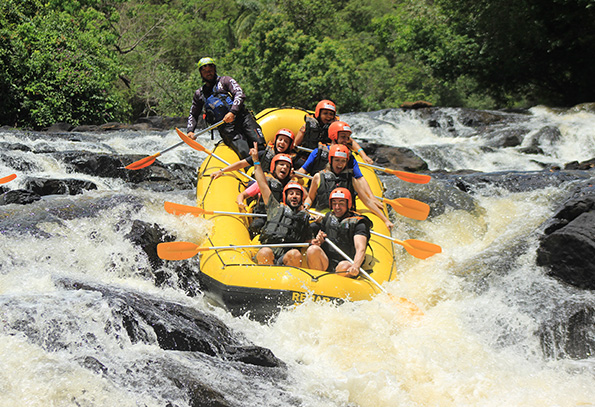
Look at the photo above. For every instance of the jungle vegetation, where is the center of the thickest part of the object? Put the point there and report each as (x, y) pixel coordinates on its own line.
(96, 61)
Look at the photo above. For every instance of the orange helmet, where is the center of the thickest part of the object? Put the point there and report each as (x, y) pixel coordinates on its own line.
(324, 104)
(280, 157)
(340, 193)
(294, 185)
(287, 133)
(338, 150)
(335, 128)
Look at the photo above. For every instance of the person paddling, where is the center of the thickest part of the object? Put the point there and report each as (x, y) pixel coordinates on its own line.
(223, 99)
(315, 130)
(283, 143)
(349, 230)
(280, 175)
(338, 174)
(286, 222)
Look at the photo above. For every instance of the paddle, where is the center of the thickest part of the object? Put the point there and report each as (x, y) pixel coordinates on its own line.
(417, 248)
(145, 162)
(7, 178)
(409, 208)
(179, 209)
(414, 309)
(197, 146)
(186, 250)
(405, 176)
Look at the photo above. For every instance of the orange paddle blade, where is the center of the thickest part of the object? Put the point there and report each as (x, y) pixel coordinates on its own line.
(8, 178)
(192, 143)
(179, 209)
(177, 250)
(419, 248)
(409, 176)
(142, 163)
(409, 208)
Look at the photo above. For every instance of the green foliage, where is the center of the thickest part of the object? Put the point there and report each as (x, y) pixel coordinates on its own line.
(57, 68)
(91, 61)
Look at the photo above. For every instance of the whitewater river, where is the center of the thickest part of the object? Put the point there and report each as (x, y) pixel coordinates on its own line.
(489, 310)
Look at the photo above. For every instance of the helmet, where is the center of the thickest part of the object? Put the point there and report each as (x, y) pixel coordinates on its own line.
(338, 150)
(324, 104)
(280, 157)
(288, 133)
(294, 185)
(335, 128)
(205, 61)
(340, 193)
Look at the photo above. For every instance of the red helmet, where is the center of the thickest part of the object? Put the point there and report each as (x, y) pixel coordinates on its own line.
(335, 128)
(324, 104)
(338, 150)
(287, 133)
(294, 185)
(280, 157)
(340, 193)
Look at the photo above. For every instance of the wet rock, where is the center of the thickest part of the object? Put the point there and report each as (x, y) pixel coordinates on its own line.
(19, 196)
(515, 181)
(415, 105)
(399, 158)
(570, 335)
(157, 176)
(60, 128)
(567, 248)
(69, 186)
(178, 327)
(511, 137)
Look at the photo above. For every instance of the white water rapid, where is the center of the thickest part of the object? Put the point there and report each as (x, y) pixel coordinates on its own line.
(489, 310)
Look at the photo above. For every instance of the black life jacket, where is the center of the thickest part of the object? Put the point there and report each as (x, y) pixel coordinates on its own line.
(329, 181)
(267, 158)
(284, 225)
(276, 187)
(321, 160)
(315, 133)
(341, 232)
(217, 104)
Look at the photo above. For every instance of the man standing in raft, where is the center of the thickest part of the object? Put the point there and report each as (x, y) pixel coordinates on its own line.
(315, 130)
(223, 99)
(287, 222)
(349, 230)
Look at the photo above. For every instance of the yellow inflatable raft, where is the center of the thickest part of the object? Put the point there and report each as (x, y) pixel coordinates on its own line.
(234, 281)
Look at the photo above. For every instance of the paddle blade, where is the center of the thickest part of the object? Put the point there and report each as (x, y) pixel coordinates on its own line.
(142, 163)
(419, 248)
(177, 250)
(410, 208)
(409, 176)
(179, 209)
(192, 143)
(8, 178)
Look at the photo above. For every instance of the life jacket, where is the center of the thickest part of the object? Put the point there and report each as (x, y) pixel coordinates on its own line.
(217, 104)
(315, 133)
(284, 225)
(329, 181)
(276, 188)
(341, 232)
(321, 160)
(265, 161)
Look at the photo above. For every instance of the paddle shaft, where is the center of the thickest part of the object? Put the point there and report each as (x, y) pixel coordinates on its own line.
(254, 246)
(361, 270)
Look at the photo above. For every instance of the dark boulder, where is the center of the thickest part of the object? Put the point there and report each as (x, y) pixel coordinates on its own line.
(19, 196)
(69, 186)
(567, 248)
(397, 158)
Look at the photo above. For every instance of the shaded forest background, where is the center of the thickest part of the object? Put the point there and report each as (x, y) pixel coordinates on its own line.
(95, 61)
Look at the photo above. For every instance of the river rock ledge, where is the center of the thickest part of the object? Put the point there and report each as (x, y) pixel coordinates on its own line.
(567, 247)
